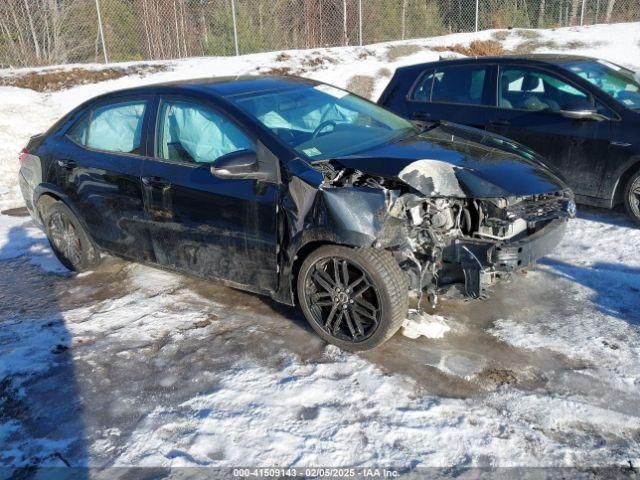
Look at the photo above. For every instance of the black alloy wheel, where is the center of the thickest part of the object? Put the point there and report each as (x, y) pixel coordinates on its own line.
(69, 241)
(343, 300)
(353, 298)
(65, 238)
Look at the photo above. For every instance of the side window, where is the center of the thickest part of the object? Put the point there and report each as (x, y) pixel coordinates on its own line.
(527, 89)
(192, 133)
(463, 85)
(79, 131)
(112, 128)
(422, 91)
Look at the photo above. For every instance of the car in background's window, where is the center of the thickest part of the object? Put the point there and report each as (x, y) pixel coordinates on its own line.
(617, 82)
(460, 84)
(530, 89)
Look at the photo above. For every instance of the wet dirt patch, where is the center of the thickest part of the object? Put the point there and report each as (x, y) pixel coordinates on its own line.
(477, 48)
(498, 376)
(280, 71)
(394, 52)
(52, 80)
(361, 85)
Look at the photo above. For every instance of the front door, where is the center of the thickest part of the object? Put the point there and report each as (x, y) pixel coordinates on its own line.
(529, 105)
(199, 223)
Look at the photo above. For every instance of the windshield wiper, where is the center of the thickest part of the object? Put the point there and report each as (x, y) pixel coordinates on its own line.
(416, 132)
(431, 126)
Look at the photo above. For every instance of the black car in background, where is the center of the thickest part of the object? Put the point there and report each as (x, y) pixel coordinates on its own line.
(293, 189)
(581, 114)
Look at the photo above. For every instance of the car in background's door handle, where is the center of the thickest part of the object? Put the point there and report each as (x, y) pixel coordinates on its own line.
(421, 116)
(500, 122)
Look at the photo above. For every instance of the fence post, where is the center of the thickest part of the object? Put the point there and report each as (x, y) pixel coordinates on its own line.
(360, 20)
(235, 26)
(403, 22)
(582, 13)
(477, 12)
(104, 46)
(344, 22)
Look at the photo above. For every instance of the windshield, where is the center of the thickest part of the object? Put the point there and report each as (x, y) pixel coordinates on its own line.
(620, 83)
(323, 122)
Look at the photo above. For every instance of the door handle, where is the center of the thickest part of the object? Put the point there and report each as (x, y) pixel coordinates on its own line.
(500, 122)
(67, 164)
(157, 197)
(157, 182)
(421, 115)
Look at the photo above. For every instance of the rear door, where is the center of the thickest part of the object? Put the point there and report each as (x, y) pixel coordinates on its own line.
(99, 170)
(209, 226)
(528, 111)
(457, 93)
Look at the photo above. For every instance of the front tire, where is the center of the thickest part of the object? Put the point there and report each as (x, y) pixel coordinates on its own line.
(355, 298)
(69, 241)
(632, 197)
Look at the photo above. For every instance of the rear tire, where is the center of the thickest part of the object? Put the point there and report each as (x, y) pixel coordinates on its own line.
(355, 298)
(69, 241)
(632, 197)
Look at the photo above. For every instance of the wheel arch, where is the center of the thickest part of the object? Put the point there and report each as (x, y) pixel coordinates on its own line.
(303, 252)
(618, 192)
(45, 194)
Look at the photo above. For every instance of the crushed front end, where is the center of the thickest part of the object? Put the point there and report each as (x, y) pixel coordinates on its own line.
(476, 242)
(456, 212)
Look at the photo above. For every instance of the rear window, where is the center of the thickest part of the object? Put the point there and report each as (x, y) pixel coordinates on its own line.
(112, 128)
(457, 84)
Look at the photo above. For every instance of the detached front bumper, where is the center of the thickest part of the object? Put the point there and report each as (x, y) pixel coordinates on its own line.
(484, 260)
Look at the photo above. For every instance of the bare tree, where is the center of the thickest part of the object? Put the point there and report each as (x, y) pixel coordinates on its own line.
(575, 6)
(610, 5)
(541, 14)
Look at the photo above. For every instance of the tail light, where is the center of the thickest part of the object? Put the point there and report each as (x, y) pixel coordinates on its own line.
(23, 155)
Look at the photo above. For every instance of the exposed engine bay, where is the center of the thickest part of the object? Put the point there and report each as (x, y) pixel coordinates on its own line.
(472, 242)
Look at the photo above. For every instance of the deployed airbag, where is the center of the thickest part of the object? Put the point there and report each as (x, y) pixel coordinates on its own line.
(116, 128)
(202, 133)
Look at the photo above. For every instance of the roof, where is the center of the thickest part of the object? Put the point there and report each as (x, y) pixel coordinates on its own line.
(229, 86)
(539, 58)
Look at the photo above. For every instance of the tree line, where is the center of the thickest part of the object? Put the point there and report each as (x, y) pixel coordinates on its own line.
(43, 32)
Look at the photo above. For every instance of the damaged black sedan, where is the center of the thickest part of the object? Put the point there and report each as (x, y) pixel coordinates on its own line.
(294, 189)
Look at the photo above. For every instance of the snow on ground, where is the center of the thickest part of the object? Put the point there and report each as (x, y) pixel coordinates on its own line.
(129, 365)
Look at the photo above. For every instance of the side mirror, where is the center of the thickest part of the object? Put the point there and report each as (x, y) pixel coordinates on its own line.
(240, 164)
(581, 111)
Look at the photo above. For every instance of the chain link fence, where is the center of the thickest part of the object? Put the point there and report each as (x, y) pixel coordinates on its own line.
(46, 32)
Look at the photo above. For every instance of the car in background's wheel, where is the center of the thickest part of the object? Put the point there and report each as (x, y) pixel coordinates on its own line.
(632, 197)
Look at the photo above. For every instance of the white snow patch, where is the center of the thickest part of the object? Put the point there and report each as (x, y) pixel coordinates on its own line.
(420, 323)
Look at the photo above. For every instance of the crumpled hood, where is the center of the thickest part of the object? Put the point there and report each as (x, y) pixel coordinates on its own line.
(455, 161)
